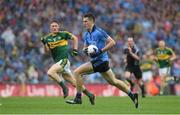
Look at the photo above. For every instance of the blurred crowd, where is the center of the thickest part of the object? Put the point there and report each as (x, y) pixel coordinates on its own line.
(23, 22)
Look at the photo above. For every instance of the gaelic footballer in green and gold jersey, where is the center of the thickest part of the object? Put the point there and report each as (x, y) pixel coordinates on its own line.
(57, 43)
(146, 66)
(164, 57)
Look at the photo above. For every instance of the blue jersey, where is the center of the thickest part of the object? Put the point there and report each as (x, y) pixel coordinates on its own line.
(98, 38)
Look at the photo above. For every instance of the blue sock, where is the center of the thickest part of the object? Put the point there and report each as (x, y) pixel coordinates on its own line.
(78, 95)
(131, 95)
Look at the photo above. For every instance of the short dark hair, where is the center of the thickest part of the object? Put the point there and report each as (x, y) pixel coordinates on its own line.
(54, 20)
(90, 16)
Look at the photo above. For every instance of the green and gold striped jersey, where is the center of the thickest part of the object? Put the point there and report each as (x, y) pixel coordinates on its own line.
(146, 65)
(163, 56)
(58, 44)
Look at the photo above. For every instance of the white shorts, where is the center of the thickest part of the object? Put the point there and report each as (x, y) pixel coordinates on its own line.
(164, 71)
(65, 64)
(147, 76)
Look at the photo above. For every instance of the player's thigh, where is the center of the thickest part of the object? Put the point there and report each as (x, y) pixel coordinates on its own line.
(109, 76)
(147, 76)
(55, 68)
(127, 74)
(85, 68)
(164, 72)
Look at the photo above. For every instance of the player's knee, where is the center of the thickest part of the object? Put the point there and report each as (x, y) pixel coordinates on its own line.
(76, 72)
(74, 84)
(50, 73)
(127, 75)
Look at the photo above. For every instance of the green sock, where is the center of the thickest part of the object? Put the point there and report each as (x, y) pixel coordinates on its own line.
(86, 92)
(64, 88)
(62, 85)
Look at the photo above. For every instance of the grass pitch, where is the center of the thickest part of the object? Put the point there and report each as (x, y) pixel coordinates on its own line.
(104, 105)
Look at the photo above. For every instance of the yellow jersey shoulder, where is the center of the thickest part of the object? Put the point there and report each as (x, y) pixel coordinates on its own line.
(66, 32)
(169, 49)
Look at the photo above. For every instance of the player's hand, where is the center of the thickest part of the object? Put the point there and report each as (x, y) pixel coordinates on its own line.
(74, 52)
(130, 50)
(96, 53)
(171, 59)
(85, 50)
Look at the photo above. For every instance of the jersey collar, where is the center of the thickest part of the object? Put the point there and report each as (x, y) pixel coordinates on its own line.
(53, 34)
(93, 29)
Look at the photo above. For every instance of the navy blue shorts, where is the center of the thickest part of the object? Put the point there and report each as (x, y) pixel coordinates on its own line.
(101, 66)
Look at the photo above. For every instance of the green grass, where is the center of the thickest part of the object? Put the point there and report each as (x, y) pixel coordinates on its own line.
(104, 105)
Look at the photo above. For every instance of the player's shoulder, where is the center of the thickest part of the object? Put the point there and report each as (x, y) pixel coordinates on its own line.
(157, 49)
(101, 32)
(98, 29)
(44, 37)
(65, 32)
(136, 47)
(167, 48)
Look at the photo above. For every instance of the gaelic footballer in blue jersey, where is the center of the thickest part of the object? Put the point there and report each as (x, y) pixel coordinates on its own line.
(99, 60)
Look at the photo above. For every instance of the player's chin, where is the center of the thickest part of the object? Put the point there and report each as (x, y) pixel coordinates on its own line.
(87, 27)
(54, 31)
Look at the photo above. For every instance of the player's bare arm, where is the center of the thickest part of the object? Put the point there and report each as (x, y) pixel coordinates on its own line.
(46, 48)
(75, 42)
(110, 43)
(173, 57)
